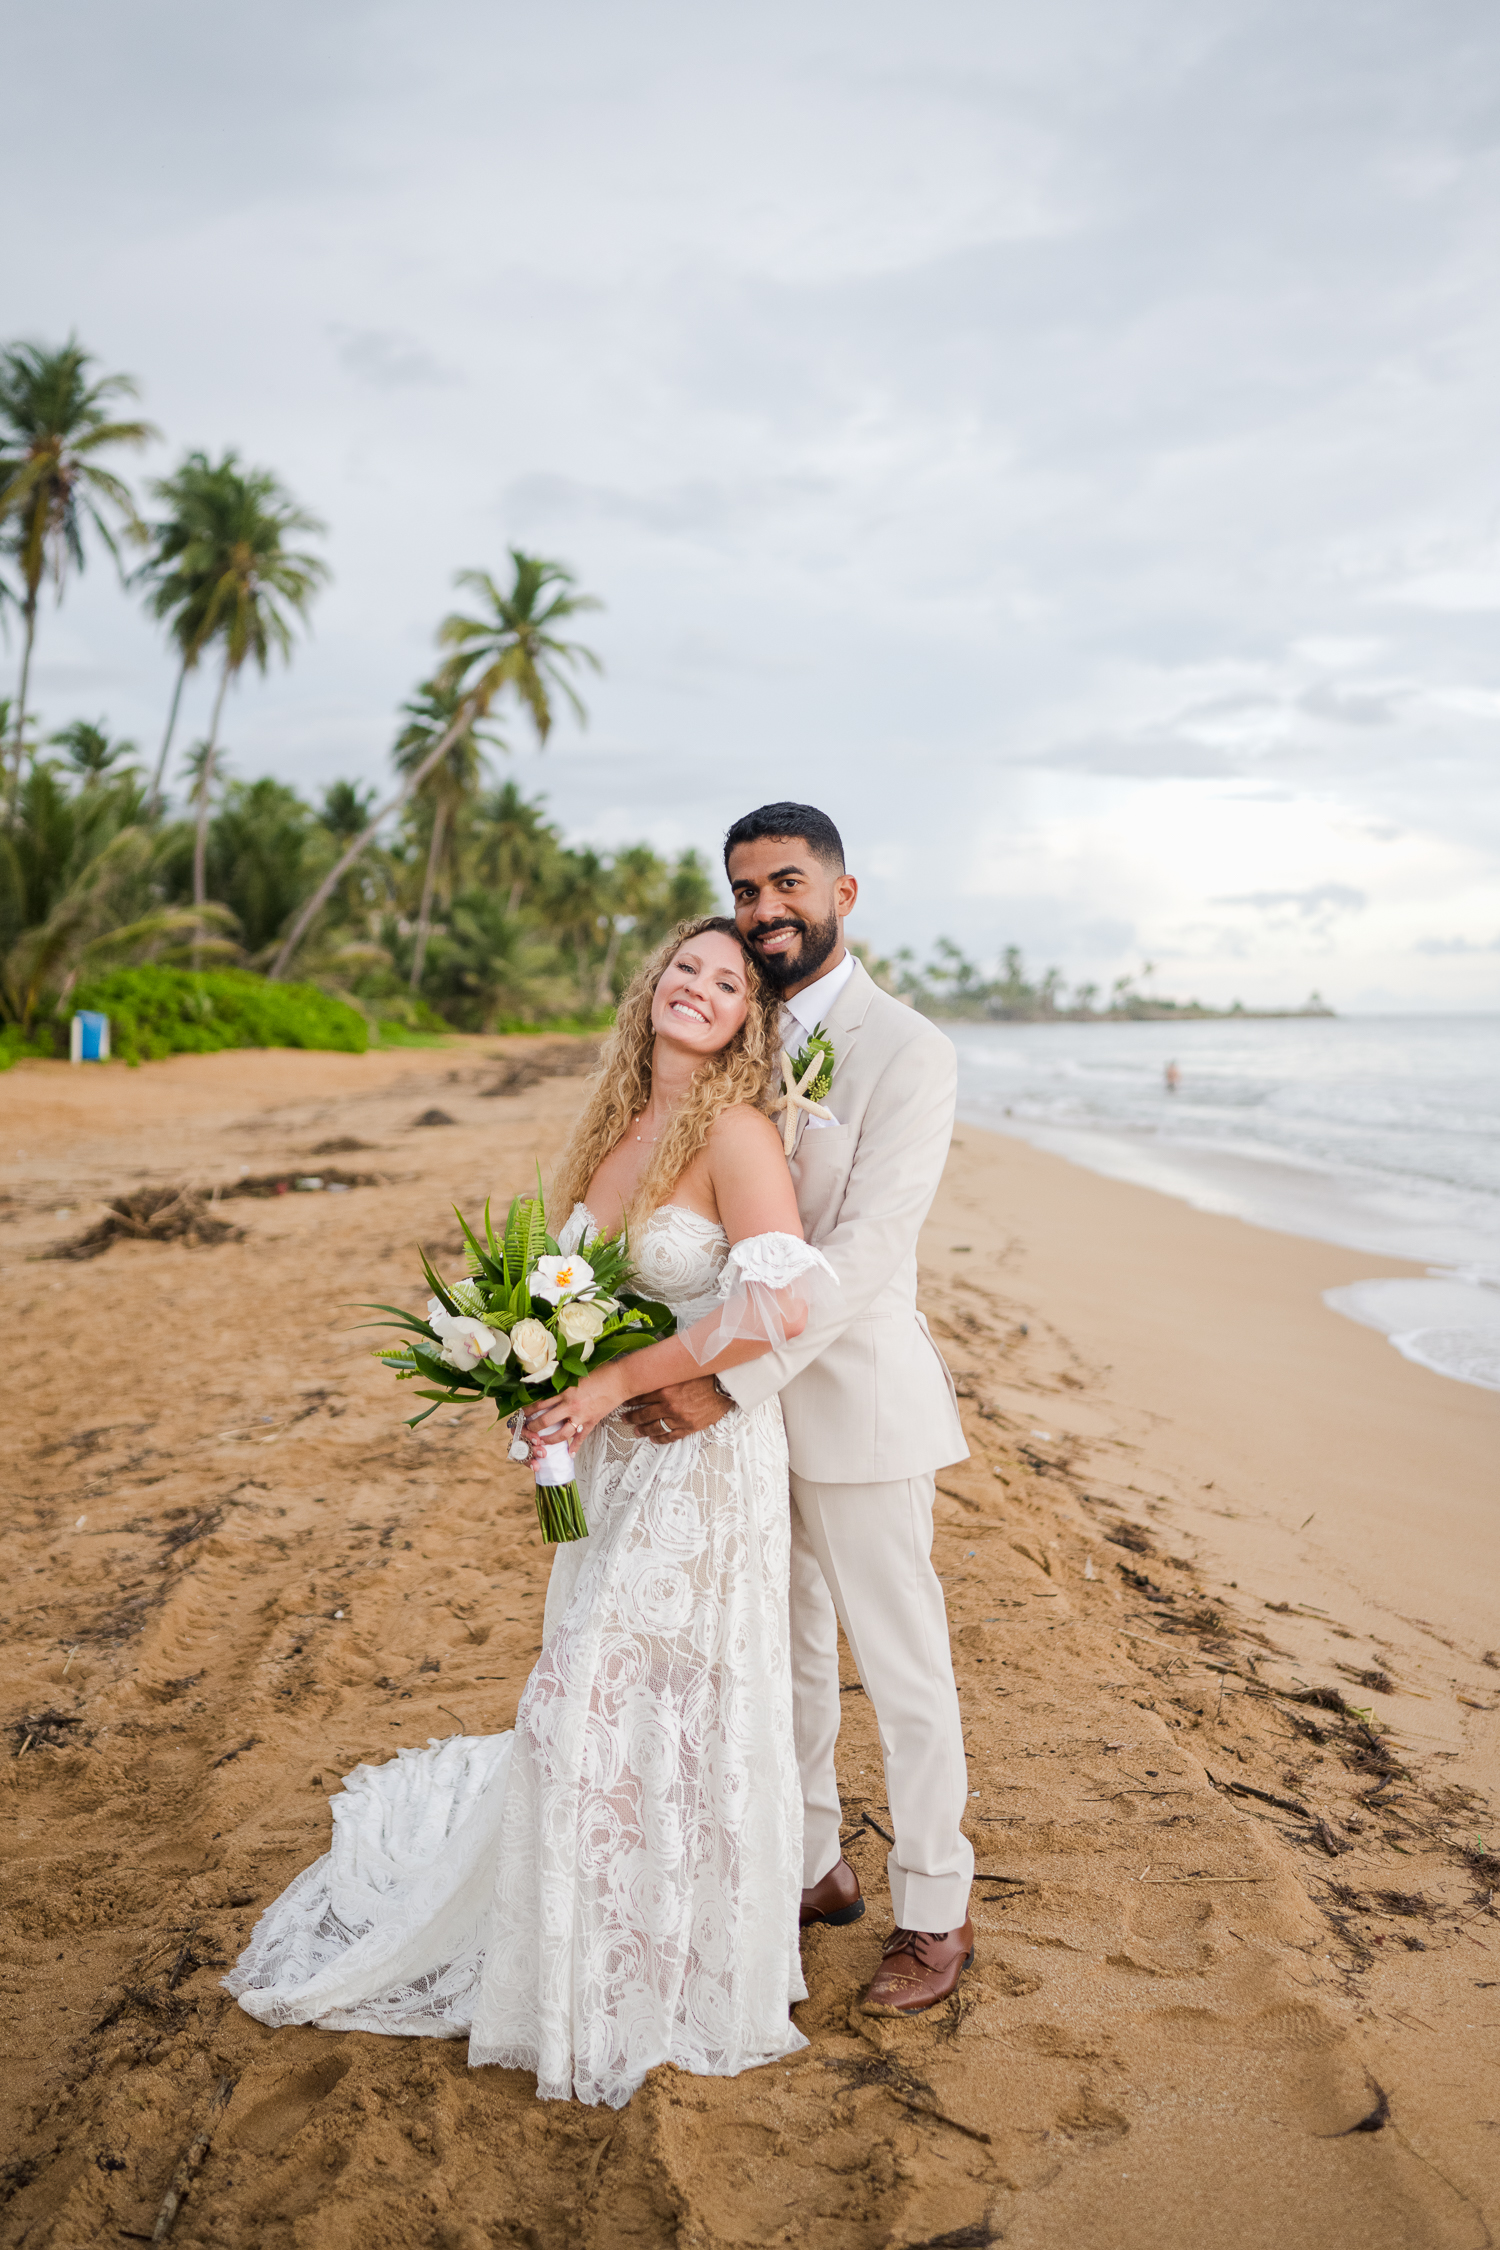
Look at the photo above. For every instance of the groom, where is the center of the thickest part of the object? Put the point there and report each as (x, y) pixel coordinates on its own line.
(869, 1406)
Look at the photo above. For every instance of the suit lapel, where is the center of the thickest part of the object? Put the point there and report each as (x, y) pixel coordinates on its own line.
(842, 1024)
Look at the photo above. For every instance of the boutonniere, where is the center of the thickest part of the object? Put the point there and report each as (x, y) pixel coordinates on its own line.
(805, 1079)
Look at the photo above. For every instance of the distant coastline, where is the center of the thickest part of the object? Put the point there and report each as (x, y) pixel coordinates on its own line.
(953, 988)
(1137, 1010)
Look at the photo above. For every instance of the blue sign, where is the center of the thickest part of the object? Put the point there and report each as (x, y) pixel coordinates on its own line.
(90, 1037)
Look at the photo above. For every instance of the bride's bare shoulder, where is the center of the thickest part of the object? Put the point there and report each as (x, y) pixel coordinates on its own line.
(752, 1182)
(743, 1134)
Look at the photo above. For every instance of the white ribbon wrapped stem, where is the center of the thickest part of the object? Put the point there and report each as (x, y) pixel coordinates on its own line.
(555, 1466)
(768, 1287)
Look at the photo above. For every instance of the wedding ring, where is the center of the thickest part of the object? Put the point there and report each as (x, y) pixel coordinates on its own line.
(666, 1425)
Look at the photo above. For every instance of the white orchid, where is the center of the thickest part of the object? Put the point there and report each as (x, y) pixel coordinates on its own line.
(580, 1324)
(558, 1279)
(465, 1341)
(535, 1348)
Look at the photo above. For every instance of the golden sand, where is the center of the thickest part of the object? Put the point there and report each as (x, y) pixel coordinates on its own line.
(1220, 1929)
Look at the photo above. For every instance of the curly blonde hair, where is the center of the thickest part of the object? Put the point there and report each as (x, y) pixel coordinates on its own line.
(740, 1072)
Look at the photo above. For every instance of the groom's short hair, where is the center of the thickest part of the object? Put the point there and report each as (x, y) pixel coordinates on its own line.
(815, 828)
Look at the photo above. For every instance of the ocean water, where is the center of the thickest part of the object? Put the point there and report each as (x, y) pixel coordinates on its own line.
(1379, 1133)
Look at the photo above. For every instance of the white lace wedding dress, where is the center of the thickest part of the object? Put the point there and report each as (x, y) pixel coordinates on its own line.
(615, 1884)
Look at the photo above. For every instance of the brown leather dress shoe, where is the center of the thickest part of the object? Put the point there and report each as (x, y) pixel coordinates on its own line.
(833, 1899)
(918, 1968)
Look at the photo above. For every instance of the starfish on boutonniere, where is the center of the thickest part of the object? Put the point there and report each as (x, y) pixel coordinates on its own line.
(803, 1083)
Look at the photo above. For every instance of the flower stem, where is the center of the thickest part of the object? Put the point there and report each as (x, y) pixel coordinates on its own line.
(559, 1511)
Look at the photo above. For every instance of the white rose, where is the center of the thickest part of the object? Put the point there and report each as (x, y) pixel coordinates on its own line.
(557, 1279)
(536, 1349)
(464, 1342)
(580, 1324)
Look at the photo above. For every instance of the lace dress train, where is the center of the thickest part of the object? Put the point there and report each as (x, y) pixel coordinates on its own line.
(615, 1884)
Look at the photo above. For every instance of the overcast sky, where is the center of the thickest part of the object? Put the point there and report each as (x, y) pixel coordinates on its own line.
(1060, 441)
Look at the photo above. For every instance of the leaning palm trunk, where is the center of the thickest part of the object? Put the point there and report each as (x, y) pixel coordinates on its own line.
(205, 779)
(603, 989)
(166, 741)
(429, 884)
(467, 712)
(21, 692)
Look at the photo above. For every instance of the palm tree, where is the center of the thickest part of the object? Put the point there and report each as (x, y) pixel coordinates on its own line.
(9, 600)
(89, 750)
(514, 841)
(109, 913)
(450, 784)
(513, 643)
(54, 421)
(184, 567)
(580, 906)
(242, 587)
(514, 646)
(343, 815)
(345, 808)
(636, 890)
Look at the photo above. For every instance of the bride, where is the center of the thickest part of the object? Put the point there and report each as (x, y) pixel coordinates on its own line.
(616, 1884)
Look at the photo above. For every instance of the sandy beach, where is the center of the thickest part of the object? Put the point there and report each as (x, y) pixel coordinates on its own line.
(1245, 1995)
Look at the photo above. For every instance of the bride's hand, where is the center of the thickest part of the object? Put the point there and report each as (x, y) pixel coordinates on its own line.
(568, 1418)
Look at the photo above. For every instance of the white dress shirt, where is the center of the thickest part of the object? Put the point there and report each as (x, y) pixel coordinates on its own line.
(810, 1006)
(807, 1009)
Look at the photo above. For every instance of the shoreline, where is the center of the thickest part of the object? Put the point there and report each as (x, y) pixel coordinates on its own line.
(1212, 1912)
(1232, 1363)
(1270, 1190)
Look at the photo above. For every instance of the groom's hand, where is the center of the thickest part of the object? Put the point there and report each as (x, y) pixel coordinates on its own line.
(677, 1410)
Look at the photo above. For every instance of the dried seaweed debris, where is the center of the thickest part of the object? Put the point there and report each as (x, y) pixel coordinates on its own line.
(152, 1214)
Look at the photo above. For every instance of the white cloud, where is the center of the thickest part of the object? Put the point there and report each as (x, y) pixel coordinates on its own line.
(1316, 903)
(387, 359)
(967, 424)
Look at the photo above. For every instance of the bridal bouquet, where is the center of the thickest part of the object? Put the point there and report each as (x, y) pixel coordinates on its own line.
(522, 1325)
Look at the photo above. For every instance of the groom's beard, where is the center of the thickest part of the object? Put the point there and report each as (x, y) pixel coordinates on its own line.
(799, 963)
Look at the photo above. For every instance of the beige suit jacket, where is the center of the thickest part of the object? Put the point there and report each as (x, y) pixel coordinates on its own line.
(867, 1396)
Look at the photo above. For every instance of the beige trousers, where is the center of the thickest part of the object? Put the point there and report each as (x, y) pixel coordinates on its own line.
(864, 1552)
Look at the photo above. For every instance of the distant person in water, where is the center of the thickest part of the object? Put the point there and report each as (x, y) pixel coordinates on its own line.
(1173, 1077)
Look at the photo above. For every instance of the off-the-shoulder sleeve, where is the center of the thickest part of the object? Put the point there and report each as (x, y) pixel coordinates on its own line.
(578, 1231)
(766, 1293)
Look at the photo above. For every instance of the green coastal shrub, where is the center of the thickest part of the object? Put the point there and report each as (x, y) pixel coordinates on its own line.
(14, 1044)
(156, 1012)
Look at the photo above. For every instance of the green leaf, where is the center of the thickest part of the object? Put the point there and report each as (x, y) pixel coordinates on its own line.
(438, 1290)
(402, 1319)
(512, 1248)
(483, 1263)
(620, 1346)
(816, 1043)
(525, 1228)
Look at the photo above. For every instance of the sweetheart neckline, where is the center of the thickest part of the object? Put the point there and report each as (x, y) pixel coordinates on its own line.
(687, 1211)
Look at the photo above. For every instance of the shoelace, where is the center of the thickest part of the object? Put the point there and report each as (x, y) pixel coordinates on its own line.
(913, 1942)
